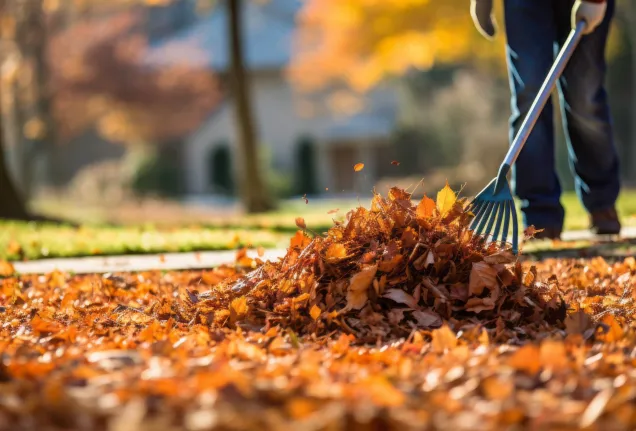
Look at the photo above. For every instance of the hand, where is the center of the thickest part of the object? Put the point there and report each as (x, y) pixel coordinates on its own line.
(481, 12)
(592, 12)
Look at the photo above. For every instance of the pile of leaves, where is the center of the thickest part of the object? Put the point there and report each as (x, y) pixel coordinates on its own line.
(443, 332)
(387, 271)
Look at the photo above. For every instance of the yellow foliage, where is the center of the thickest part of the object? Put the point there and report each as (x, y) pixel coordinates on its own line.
(359, 42)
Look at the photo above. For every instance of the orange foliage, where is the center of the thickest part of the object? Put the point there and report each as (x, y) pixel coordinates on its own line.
(359, 42)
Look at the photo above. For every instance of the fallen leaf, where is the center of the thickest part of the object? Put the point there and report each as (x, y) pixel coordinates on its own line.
(333, 211)
(358, 286)
(578, 323)
(425, 208)
(427, 319)
(401, 297)
(315, 312)
(335, 252)
(526, 358)
(614, 330)
(395, 163)
(358, 167)
(445, 200)
(477, 305)
(443, 338)
(6, 269)
(300, 222)
(482, 276)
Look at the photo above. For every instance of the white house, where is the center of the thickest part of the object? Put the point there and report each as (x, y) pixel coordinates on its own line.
(340, 142)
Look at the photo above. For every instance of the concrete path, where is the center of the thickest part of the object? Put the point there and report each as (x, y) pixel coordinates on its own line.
(182, 261)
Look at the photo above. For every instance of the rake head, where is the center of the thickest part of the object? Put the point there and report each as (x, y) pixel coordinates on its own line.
(494, 208)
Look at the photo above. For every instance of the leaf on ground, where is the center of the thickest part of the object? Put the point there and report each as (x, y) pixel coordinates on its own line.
(300, 240)
(446, 198)
(614, 330)
(401, 297)
(315, 312)
(578, 323)
(443, 338)
(482, 276)
(335, 252)
(427, 319)
(526, 358)
(425, 208)
(6, 269)
(359, 285)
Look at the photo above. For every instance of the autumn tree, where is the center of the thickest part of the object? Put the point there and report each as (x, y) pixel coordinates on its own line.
(358, 43)
(95, 71)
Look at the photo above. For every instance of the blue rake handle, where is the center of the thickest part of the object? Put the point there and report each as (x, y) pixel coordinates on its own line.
(539, 102)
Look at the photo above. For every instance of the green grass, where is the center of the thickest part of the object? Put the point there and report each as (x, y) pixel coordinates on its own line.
(35, 241)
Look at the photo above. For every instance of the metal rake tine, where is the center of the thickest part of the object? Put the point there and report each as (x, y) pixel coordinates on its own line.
(506, 227)
(491, 222)
(486, 216)
(500, 216)
(515, 228)
(480, 206)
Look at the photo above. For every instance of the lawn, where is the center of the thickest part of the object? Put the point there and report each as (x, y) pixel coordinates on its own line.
(33, 241)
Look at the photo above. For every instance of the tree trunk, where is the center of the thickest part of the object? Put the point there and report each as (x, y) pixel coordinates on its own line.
(253, 189)
(11, 204)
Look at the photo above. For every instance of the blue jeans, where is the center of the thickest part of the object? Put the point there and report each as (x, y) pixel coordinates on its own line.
(536, 30)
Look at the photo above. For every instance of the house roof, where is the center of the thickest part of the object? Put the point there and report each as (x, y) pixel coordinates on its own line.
(268, 33)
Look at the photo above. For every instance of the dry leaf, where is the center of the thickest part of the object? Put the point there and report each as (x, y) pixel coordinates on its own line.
(335, 252)
(395, 163)
(482, 276)
(443, 338)
(315, 312)
(426, 207)
(358, 286)
(527, 358)
(401, 297)
(6, 269)
(300, 222)
(446, 199)
(358, 167)
(427, 319)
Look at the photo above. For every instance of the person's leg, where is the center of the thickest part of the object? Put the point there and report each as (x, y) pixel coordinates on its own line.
(531, 34)
(586, 115)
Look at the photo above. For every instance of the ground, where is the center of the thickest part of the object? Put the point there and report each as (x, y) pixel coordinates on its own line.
(397, 320)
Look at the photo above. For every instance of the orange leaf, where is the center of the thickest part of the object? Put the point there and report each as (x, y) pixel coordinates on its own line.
(443, 338)
(335, 252)
(425, 208)
(615, 331)
(358, 286)
(358, 167)
(299, 240)
(315, 312)
(526, 359)
(300, 222)
(6, 269)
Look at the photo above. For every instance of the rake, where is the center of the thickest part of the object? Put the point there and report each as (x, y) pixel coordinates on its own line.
(494, 206)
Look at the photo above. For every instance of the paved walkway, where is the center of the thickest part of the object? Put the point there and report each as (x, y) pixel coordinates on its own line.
(182, 261)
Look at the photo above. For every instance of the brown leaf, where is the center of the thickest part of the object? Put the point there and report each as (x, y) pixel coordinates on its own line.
(578, 322)
(427, 319)
(300, 222)
(477, 305)
(482, 276)
(401, 297)
(395, 163)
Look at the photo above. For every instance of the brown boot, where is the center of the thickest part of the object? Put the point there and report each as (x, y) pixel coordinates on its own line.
(605, 222)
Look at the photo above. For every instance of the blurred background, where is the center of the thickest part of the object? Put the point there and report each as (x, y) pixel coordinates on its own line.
(180, 111)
